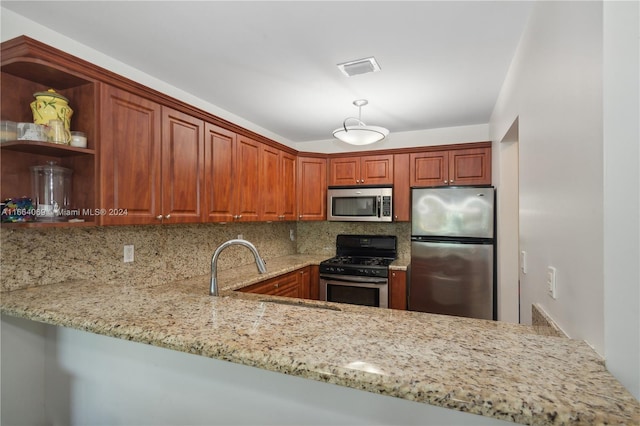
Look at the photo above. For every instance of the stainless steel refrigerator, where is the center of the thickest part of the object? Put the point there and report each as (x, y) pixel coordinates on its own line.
(452, 267)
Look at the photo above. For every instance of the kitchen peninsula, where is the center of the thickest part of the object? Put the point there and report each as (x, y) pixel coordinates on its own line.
(498, 370)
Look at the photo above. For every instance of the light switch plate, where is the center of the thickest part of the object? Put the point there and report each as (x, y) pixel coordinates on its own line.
(523, 261)
(551, 281)
(128, 253)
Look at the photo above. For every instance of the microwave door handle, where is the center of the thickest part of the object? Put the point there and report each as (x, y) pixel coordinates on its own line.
(379, 206)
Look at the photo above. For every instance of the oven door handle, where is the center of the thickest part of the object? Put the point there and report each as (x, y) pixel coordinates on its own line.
(355, 279)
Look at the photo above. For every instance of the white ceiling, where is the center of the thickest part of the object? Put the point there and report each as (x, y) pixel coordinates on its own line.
(274, 63)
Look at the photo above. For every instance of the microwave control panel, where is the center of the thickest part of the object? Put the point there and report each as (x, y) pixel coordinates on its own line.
(386, 206)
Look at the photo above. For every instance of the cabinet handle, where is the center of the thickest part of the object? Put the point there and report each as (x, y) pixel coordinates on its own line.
(357, 180)
(300, 217)
(451, 181)
(276, 285)
(159, 217)
(361, 180)
(168, 216)
(239, 216)
(446, 181)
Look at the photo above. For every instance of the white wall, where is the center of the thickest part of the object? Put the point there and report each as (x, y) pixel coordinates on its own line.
(505, 177)
(622, 191)
(555, 89)
(428, 137)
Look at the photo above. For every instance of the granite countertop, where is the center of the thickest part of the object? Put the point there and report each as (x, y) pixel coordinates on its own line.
(495, 369)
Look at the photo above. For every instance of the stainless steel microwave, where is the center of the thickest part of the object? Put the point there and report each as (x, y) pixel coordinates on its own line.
(360, 204)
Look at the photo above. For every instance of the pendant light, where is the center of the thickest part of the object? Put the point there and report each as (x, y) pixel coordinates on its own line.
(359, 133)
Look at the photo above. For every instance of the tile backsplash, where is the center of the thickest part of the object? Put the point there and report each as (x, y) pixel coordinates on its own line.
(41, 256)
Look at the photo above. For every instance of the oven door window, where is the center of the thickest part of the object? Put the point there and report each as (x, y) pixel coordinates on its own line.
(362, 206)
(344, 293)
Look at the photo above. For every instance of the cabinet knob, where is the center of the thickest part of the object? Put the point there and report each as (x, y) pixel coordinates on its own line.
(446, 181)
(451, 181)
(300, 217)
(276, 285)
(361, 180)
(168, 216)
(159, 217)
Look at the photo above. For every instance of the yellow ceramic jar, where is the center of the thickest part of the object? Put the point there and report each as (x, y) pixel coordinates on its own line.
(49, 106)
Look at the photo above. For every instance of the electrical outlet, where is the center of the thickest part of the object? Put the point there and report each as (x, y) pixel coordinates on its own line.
(128, 253)
(523, 261)
(292, 236)
(551, 281)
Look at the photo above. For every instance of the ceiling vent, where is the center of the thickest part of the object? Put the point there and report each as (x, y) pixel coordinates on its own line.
(359, 66)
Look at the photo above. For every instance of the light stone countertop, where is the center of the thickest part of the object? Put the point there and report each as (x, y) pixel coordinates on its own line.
(501, 370)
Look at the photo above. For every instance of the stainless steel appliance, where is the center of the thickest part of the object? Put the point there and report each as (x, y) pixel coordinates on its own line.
(360, 204)
(359, 273)
(452, 267)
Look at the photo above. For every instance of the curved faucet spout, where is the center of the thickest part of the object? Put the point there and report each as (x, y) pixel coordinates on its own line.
(213, 288)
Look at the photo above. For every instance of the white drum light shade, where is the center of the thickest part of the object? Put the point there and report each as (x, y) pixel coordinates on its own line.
(360, 134)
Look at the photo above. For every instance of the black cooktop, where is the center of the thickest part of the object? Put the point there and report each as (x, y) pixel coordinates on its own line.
(364, 255)
(356, 260)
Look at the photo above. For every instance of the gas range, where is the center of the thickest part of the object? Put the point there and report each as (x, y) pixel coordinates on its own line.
(361, 255)
(359, 272)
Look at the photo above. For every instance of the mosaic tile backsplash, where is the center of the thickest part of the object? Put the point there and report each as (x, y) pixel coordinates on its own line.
(40, 256)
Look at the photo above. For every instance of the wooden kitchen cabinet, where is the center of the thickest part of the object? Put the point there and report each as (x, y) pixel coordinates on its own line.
(452, 167)
(312, 188)
(231, 172)
(401, 188)
(398, 289)
(287, 285)
(288, 178)
(299, 284)
(130, 157)
(365, 170)
(278, 185)
(152, 161)
(28, 66)
(220, 160)
(182, 167)
(310, 282)
(247, 179)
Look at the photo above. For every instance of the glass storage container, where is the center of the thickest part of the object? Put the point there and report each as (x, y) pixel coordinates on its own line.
(51, 189)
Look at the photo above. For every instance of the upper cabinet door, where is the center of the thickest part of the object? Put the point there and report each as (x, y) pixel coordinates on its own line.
(220, 160)
(288, 210)
(130, 156)
(182, 167)
(312, 188)
(376, 170)
(367, 170)
(247, 179)
(270, 183)
(429, 168)
(470, 166)
(401, 188)
(344, 171)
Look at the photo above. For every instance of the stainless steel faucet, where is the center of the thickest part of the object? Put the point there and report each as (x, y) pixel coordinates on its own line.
(213, 288)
